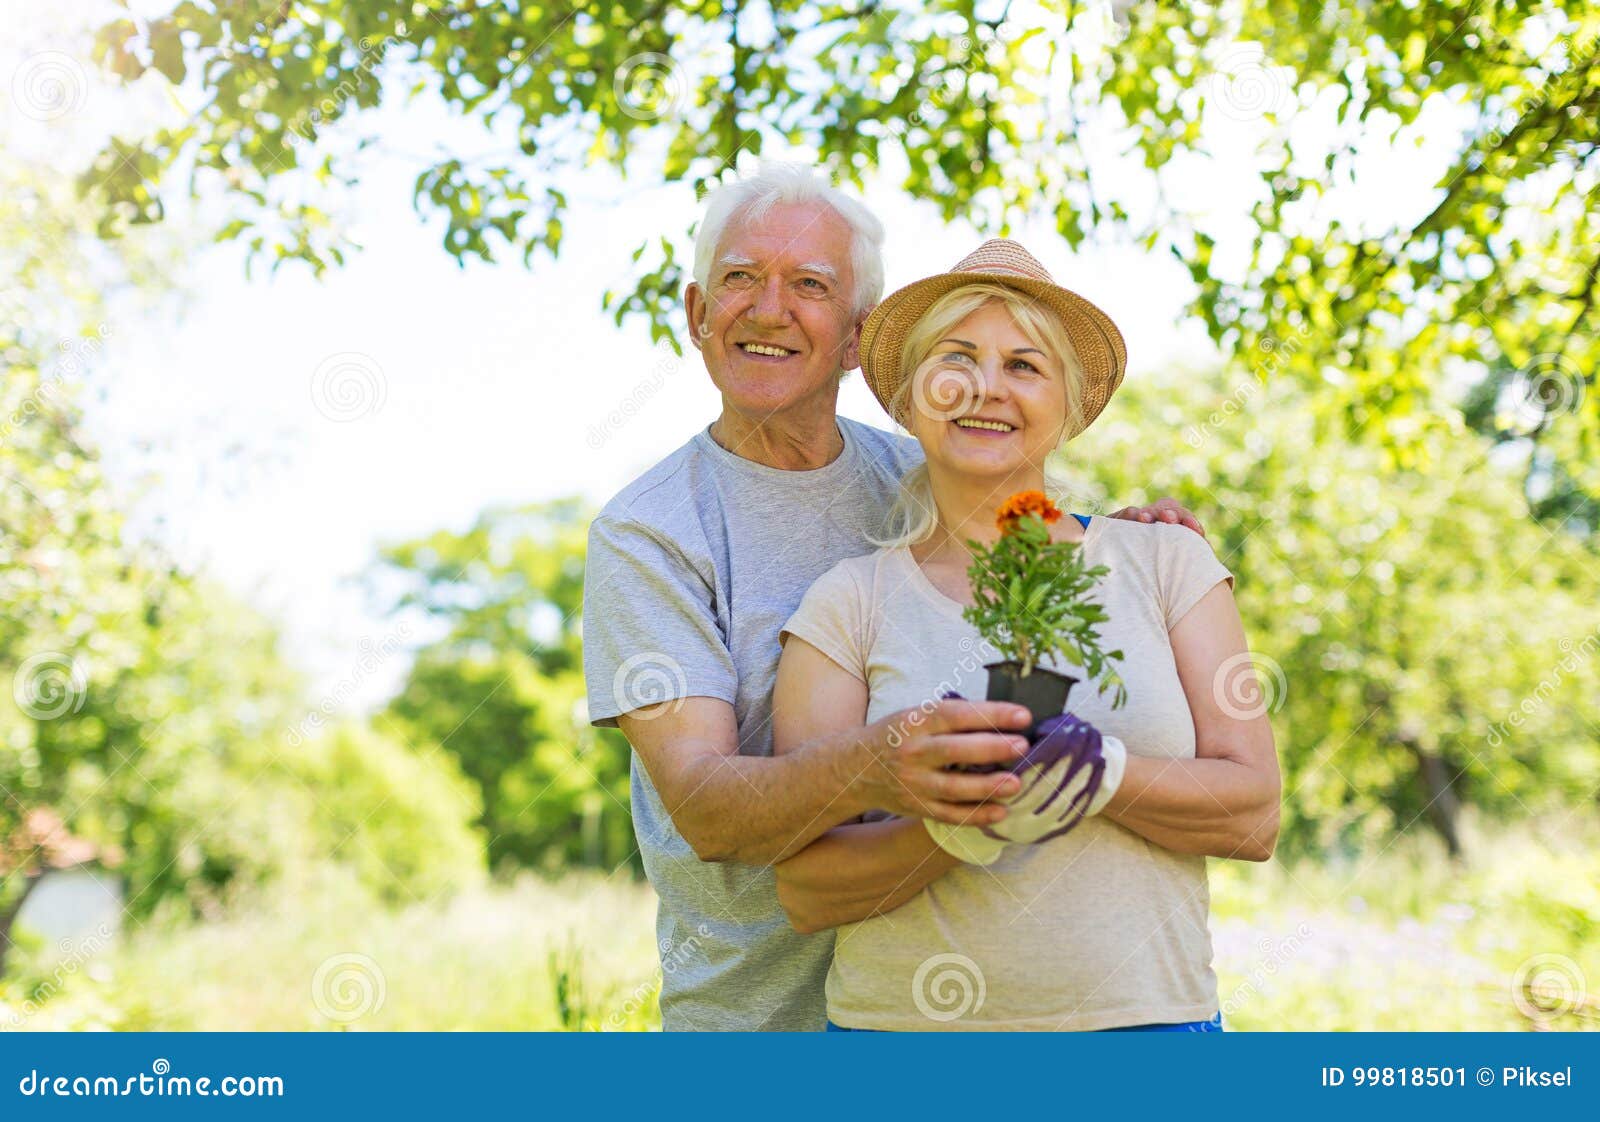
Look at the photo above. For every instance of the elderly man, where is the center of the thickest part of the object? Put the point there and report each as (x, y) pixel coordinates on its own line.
(694, 568)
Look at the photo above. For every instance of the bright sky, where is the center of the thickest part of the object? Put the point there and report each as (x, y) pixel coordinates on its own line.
(471, 387)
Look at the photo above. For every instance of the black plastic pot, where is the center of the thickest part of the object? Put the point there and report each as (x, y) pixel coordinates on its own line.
(1043, 691)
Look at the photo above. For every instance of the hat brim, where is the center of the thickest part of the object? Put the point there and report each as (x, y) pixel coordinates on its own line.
(1101, 351)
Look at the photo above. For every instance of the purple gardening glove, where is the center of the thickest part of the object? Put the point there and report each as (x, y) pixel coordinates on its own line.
(1069, 773)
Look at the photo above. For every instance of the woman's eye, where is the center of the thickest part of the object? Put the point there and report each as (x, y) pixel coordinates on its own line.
(1025, 364)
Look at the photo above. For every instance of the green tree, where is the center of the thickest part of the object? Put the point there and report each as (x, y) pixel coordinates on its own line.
(145, 714)
(987, 110)
(502, 690)
(1420, 641)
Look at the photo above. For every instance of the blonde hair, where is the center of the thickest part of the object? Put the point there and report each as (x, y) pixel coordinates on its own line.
(914, 516)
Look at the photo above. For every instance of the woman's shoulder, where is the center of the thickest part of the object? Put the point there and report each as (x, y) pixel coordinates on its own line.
(1171, 564)
(1148, 538)
(861, 573)
(1151, 548)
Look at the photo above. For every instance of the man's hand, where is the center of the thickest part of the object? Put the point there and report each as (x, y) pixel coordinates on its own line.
(1162, 510)
(911, 751)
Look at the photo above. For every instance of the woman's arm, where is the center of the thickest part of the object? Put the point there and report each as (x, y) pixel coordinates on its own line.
(1224, 802)
(855, 870)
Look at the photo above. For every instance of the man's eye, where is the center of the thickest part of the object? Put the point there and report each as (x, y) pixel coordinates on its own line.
(813, 282)
(738, 275)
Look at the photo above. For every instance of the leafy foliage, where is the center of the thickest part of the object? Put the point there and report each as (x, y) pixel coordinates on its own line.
(501, 690)
(1422, 644)
(144, 710)
(1101, 117)
(1031, 601)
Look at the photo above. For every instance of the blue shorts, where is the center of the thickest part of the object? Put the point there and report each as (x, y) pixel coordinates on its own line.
(1212, 1025)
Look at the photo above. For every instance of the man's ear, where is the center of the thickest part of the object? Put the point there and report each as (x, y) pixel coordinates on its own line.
(694, 307)
(852, 350)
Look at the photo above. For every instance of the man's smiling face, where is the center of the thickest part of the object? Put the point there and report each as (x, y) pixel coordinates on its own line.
(776, 323)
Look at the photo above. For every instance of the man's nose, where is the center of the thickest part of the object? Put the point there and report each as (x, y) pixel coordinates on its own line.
(769, 306)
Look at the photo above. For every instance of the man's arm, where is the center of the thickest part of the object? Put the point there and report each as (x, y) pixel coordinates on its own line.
(852, 872)
(761, 810)
(855, 870)
(644, 598)
(1224, 802)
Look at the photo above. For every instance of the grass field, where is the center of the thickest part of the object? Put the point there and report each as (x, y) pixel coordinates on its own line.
(1400, 941)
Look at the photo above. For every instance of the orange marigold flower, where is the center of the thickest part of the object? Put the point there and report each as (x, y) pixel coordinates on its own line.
(1024, 503)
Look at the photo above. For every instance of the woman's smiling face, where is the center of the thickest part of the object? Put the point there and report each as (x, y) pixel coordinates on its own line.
(988, 400)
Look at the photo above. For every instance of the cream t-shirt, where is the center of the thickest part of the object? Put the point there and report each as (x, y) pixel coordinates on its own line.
(1096, 929)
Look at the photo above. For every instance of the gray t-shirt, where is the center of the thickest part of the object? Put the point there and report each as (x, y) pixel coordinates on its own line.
(693, 569)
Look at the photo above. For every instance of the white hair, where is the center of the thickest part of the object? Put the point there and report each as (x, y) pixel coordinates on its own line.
(783, 184)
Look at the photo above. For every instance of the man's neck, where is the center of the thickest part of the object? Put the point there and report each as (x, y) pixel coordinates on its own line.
(781, 441)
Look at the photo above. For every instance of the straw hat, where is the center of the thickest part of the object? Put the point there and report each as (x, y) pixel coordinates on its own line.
(1099, 345)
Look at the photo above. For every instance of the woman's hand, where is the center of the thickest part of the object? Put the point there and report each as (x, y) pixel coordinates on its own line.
(1070, 773)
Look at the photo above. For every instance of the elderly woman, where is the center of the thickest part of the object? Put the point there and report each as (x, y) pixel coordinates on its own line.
(992, 367)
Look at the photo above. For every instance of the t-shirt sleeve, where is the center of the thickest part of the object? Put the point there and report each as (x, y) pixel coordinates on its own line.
(830, 618)
(650, 631)
(1188, 570)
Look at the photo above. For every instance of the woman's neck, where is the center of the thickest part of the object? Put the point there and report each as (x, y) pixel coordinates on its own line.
(967, 507)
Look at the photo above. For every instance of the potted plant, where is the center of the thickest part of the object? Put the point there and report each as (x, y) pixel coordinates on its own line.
(1031, 602)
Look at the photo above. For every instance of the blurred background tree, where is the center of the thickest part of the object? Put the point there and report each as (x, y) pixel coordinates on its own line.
(1396, 455)
(502, 689)
(1401, 616)
(988, 111)
(124, 733)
